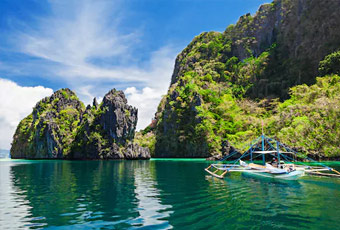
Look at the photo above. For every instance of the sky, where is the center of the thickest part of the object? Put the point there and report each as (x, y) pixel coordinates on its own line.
(92, 46)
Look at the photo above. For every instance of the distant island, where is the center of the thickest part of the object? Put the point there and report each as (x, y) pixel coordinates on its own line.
(279, 67)
(4, 153)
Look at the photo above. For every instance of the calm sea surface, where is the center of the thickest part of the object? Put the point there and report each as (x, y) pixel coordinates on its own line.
(158, 194)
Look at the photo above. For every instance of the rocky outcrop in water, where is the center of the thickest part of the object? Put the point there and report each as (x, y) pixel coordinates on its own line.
(61, 128)
(50, 129)
(118, 119)
(107, 131)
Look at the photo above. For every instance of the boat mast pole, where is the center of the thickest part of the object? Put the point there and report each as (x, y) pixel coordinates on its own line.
(278, 152)
(263, 156)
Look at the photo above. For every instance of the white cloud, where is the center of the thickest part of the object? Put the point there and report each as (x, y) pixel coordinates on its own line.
(90, 32)
(79, 36)
(146, 101)
(16, 103)
(82, 44)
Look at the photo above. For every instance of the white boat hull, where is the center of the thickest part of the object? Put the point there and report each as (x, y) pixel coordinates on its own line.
(286, 176)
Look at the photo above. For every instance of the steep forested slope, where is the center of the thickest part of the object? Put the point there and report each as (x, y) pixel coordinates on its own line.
(49, 130)
(225, 84)
(61, 128)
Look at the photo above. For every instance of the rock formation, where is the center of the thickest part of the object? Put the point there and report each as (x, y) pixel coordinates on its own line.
(61, 128)
(50, 129)
(107, 131)
(297, 35)
(219, 79)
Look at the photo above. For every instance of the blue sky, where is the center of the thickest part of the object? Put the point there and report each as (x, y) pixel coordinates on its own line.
(93, 46)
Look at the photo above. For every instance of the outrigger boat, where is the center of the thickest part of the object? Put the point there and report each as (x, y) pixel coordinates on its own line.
(281, 166)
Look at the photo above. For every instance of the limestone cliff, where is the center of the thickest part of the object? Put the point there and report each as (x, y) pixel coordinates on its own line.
(296, 34)
(61, 128)
(49, 130)
(107, 131)
(220, 79)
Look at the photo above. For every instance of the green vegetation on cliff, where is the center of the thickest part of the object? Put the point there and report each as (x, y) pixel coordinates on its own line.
(208, 116)
(310, 119)
(50, 129)
(91, 137)
(225, 84)
(60, 127)
(330, 65)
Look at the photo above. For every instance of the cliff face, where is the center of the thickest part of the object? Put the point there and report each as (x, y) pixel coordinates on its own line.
(118, 119)
(297, 35)
(50, 129)
(60, 127)
(107, 131)
(220, 78)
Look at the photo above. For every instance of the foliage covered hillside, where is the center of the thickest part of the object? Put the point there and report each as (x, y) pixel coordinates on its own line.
(310, 119)
(225, 84)
(107, 130)
(295, 36)
(50, 129)
(61, 128)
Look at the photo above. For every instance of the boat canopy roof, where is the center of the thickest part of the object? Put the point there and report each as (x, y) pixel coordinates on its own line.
(265, 152)
(272, 151)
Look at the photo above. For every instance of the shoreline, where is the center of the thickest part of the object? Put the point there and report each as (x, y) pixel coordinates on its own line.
(151, 159)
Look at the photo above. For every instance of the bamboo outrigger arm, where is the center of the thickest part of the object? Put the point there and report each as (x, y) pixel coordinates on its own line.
(318, 172)
(214, 174)
(224, 173)
(335, 171)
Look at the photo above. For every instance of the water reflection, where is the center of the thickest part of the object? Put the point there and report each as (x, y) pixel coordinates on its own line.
(157, 195)
(15, 209)
(61, 193)
(273, 204)
(152, 213)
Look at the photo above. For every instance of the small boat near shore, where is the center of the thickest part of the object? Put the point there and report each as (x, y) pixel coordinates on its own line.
(283, 164)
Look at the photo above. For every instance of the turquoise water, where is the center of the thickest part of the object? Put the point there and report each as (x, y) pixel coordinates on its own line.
(158, 194)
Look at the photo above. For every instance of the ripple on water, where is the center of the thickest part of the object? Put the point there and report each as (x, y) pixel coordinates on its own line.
(158, 195)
